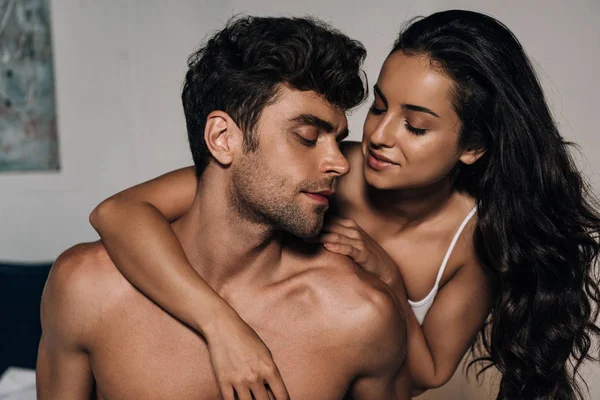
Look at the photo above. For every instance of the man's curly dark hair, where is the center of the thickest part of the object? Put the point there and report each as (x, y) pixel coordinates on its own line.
(241, 68)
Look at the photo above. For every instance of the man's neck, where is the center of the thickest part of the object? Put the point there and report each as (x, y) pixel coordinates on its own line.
(221, 245)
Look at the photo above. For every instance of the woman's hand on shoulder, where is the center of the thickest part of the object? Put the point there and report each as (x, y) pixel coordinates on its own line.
(344, 236)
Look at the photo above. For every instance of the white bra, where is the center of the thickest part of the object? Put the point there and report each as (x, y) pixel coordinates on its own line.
(421, 307)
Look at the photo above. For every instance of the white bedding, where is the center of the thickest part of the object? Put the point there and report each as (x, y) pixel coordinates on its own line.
(17, 384)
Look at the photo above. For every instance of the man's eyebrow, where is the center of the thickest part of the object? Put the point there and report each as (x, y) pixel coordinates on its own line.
(313, 120)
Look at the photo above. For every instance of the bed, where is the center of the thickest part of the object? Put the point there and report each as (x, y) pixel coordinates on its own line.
(21, 288)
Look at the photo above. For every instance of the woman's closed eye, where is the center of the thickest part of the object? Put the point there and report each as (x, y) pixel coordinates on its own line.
(415, 130)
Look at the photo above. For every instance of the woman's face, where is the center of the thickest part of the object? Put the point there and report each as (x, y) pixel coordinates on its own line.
(411, 133)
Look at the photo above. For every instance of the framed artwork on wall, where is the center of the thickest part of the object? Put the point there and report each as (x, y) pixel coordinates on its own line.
(28, 131)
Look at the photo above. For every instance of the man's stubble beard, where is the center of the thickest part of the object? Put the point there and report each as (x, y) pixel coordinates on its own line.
(261, 197)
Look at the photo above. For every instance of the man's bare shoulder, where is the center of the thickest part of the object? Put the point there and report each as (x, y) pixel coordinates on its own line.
(85, 267)
(344, 279)
(82, 282)
(362, 309)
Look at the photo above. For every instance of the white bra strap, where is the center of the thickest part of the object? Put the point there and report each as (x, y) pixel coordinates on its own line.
(454, 240)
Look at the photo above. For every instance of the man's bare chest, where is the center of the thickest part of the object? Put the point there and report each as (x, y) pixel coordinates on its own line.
(142, 352)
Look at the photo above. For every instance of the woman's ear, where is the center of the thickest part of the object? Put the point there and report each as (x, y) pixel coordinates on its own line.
(222, 136)
(469, 156)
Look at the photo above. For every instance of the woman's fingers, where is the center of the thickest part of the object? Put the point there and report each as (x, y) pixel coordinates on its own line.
(338, 238)
(243, 393)
(346, 222)
(343, 249)
(262, 386)
(259, 391)
(334, 227)
(227, 392)
(276, 385)
(358, 246)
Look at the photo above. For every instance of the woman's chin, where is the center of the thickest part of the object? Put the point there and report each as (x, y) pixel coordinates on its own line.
(377, 181)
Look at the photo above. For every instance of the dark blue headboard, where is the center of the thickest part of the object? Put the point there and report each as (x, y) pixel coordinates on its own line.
(21, 288)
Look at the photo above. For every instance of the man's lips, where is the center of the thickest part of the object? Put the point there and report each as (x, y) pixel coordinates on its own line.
(380, 162)
(321, 196)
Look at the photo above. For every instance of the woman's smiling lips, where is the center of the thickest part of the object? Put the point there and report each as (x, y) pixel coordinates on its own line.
(379, 162)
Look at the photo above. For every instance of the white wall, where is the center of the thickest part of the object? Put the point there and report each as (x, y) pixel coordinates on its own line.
(120, 64)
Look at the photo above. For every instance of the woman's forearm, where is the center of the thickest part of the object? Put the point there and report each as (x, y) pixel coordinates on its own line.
(154, 261)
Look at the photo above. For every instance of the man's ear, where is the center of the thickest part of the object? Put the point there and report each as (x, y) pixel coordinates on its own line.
(469, 156)
(222, 136)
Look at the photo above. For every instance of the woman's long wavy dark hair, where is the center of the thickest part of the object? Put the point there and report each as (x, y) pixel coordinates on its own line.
(538, 224)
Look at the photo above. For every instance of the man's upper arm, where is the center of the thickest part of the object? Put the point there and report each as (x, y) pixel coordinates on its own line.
(381, 333)
(62, 373)
(63, 369)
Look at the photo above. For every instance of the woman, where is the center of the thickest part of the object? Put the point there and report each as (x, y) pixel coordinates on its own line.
(462, 197)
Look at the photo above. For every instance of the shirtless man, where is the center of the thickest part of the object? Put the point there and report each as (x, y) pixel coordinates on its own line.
(265, 104)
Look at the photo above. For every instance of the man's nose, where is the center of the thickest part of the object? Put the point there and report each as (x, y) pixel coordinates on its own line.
(336, 163)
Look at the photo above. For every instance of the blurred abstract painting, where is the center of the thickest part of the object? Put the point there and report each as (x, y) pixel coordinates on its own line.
(28, 133)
